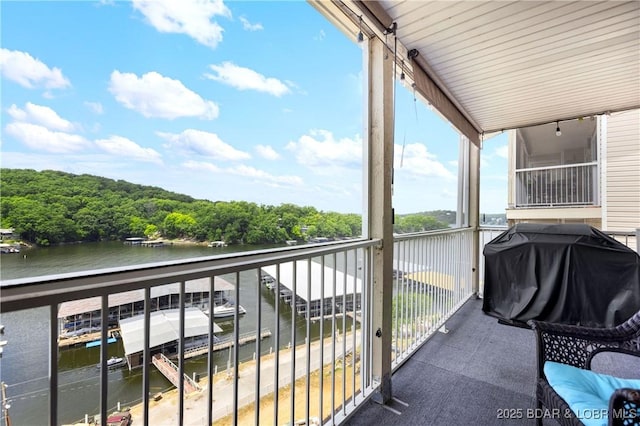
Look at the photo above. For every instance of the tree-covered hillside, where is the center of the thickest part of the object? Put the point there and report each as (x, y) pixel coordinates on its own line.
(50, 207)
(425, 221)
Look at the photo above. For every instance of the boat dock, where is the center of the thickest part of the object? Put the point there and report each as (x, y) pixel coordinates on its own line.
(349, 314)
(225, 344)
(170, 371)
(154, 243)
(330, 291)
(87, 339)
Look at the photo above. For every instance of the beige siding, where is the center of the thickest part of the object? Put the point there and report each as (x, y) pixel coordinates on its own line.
(623, 171)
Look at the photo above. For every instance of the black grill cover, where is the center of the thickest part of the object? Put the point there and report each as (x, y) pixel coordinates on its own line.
(569, 274)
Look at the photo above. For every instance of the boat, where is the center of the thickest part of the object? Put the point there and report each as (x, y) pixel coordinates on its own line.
(114, 362)
(9, 248)
(268, 281)
(217, 244)
(226, 310)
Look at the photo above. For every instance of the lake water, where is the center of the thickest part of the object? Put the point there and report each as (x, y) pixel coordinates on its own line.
(24, 364)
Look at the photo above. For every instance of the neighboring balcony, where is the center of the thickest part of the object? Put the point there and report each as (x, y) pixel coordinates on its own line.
(570, 185)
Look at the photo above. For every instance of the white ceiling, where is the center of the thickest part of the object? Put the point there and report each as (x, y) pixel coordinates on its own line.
(510, 64)
(574, 134)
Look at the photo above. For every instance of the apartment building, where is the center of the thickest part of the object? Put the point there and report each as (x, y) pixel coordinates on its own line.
(584, 170)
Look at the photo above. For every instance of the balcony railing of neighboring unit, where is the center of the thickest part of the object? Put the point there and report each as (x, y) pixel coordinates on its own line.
(316, 303)
(558, 186)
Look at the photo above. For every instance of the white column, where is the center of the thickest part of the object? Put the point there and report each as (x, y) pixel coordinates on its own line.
(380, 142)
(474, 213)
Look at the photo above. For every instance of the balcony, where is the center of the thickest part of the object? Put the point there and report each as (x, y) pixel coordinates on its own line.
(311, 308)
(568, 185)
(479, 372)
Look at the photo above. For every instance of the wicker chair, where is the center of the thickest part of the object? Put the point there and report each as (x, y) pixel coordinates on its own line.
(576, 346)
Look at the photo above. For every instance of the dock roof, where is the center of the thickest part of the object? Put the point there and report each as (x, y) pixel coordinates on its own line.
(164, 328)
(302, 273)
(91, 304)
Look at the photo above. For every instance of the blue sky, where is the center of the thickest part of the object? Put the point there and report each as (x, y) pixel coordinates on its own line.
(221, 101)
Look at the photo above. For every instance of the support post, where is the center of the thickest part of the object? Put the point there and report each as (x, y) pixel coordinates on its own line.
(380, 213)
(474, 215)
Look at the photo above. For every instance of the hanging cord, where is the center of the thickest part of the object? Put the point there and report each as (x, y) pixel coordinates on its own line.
(404, 139)
(395, 88)
(395, 68)
(415, 102)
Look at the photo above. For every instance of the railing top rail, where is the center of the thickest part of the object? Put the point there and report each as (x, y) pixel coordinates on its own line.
(562, 166)
(493, 227)
(620, 233)
(414, 235)
(24, 293)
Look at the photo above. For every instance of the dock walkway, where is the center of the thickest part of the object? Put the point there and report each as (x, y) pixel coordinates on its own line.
(170, 371)
(225, 344)
(81, 340)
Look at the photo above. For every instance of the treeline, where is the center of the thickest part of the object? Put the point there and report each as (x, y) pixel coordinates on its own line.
(425, 221)
(51, 207)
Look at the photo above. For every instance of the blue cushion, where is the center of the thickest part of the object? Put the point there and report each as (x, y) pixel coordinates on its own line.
(587, 393)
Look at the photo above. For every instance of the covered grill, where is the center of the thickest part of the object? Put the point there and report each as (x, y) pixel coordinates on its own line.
(570, 274)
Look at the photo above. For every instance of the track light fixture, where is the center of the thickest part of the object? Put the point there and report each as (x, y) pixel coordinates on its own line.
(360, 34)
(558, 132)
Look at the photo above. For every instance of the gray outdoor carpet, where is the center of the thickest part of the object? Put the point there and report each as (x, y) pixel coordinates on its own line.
(480, 373)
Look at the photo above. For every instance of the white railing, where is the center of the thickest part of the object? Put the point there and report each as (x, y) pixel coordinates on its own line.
(316, 363)
(292, 363)
(432, 279)
(557, 186)
(630, 239)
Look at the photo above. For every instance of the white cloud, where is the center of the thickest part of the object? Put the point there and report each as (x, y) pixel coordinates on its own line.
(42, 115)
(485, 161)
(249, 26)
(207, 144)
(125, 148)
(245, 171)
(319, 149)
(192, 18)
(201, 165)
(252, 172)
(154, 95)
(266, 151)
(95, 107)
(30, 72)
(40, 138)
(321, 35)
(502, 151)
(418, 161)
(247, 79)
